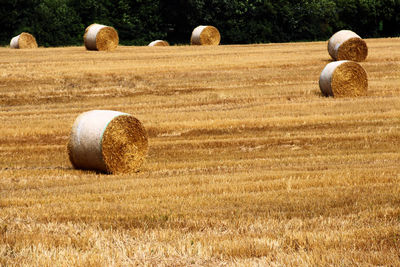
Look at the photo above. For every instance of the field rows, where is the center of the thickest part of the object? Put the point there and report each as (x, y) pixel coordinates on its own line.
(248, 163)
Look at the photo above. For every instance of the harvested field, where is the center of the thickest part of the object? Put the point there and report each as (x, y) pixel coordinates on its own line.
(248, 163)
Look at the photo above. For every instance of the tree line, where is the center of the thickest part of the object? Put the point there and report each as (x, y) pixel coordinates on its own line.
(62, 22)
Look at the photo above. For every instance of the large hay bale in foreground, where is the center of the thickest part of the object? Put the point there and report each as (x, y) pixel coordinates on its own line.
(347, 45)
(100, 37)
(205, 35)
(107, 141)
(159, 43)
(343, 78)
(24, 40)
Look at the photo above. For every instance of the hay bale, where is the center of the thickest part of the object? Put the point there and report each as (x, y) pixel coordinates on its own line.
(159, 43)
(107, 141)
(24, 40)
(101, 38)
(347, 45)
(343, 78)
(205, 35)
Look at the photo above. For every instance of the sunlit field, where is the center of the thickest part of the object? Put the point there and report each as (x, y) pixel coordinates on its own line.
(248, 163)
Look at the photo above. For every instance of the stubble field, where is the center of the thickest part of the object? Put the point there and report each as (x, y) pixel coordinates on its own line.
(248, 163)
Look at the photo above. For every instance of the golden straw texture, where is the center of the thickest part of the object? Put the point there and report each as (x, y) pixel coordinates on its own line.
(107, 141)
(344, 79)
(124, 145)
(24, 40)
(205, 35)
(100, 37)
(347, 45)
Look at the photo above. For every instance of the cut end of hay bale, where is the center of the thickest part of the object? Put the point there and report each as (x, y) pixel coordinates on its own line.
(205, 35)
(343, 79)
(354, 49)
(124, 145)
(24, 41)
(159, 43)
(101, 38)
(347, 45)
(107, 141)
(107, 39)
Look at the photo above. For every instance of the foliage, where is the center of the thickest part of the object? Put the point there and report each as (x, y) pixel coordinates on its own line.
(56, 23)
(62, 22)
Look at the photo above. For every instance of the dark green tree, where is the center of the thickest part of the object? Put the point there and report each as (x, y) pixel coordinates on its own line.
(62, 22)
(57, 24)
(15, 17)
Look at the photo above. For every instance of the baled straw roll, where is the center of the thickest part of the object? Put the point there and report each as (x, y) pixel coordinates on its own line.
(100, 37)
(343, 78)
(159, 43)
(107, 141)
(205, 35)
(24, 40)
(347, 45)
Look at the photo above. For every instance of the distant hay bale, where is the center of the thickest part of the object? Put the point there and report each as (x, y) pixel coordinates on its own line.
(107, 141)
(100, 37)
(205, 35)
(343, 78)
(24, 40)
(159, 43)
(347, 45)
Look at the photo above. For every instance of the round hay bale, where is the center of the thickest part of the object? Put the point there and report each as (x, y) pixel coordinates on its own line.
(205, 35)
(24, 40)
(107, 141)
(101, 38)
(347, 45)
(159, 43)
(343, 78)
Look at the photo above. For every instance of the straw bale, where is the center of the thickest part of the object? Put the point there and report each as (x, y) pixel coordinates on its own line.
(347, 45)
(343, 78)
(100, 37)
(107, 141)
(159, 43)
(24, 40)
(205, 35)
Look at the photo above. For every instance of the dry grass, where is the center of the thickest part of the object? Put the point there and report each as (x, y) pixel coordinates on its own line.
(248, 162)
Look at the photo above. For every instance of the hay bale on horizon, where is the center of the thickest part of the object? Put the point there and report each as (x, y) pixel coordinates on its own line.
(347, 45)
(343, 78)
(159, 43)
(205, 35)
(107, 141)
(100, 37)
(24, 40)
